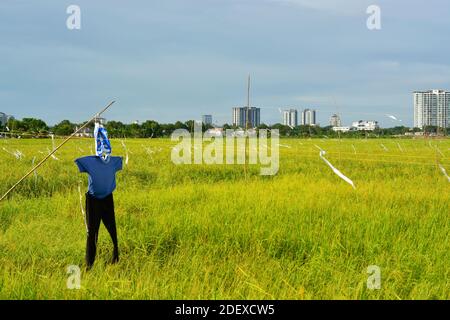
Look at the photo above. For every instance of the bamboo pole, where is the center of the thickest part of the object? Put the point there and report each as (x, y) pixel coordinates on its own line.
(54, 151)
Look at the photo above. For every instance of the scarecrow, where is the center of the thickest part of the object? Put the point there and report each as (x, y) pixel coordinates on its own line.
(101, 170)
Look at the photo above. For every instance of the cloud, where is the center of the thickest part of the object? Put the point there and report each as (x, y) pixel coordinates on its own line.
(348, 7)
(174, 60)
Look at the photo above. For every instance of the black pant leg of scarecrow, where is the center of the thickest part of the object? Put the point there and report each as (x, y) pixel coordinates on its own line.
(109, 220)
(93, 218)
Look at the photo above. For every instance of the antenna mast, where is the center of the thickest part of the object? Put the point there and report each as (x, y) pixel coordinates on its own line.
(247, 123)
(248, 105)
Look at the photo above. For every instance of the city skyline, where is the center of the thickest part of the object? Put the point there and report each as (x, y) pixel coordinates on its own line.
(430, 108)
(167, 67)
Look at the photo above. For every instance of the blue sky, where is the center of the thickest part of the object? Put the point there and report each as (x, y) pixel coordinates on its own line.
(171, 60)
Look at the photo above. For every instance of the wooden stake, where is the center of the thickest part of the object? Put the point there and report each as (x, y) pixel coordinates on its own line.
(54, 151)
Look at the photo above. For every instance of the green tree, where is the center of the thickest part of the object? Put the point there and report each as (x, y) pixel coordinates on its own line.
(64, 128)
(151, 129)
(15, 125)
(116, 129)
(33, 125)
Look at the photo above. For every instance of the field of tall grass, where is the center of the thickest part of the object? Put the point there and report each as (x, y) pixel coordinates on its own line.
(212, 232)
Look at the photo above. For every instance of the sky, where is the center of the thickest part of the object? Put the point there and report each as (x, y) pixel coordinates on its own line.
(169, 60)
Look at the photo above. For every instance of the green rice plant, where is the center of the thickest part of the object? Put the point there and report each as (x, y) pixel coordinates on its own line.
(213, 232)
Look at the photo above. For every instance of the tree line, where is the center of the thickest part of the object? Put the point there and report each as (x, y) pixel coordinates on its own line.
(153, 129)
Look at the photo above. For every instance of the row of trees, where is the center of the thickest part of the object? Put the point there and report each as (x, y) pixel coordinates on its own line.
(116, 129)
(29, 125)
(153, 129)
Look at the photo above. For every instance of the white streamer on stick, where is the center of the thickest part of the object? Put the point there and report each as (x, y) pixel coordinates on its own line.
(393, 117)
(148, 150)
(444, 172)
(126, 152)
(336, 171)
(53, 141)
(354, 149)
(400, 147)
(81, 207)
(16, 153)
(19, 154)
(52, 155)
(384, 147)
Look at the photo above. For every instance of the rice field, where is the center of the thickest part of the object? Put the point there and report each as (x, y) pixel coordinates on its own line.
(213, 232)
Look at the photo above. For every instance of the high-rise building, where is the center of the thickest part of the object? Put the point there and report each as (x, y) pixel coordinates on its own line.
(3, 119)
(309, 117)
(207, 119)
(431, 108)
(240, 117)
(290, 118)
(335, 121)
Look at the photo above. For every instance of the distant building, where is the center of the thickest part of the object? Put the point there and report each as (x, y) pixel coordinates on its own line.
(290, 118)
(335, 121)
(309, 117)
(207, 119)
(3, 119)
(431, 108)
(85, 132)
(240, 117)
(342, 129)
(364, 125)
(215, 132)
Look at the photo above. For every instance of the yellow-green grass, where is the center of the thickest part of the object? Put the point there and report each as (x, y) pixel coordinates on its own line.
(213, 232)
